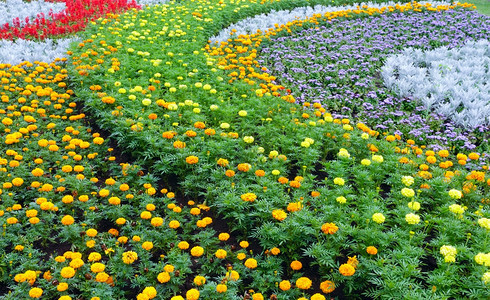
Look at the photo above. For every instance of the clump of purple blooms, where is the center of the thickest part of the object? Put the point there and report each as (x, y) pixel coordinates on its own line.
(338, 64)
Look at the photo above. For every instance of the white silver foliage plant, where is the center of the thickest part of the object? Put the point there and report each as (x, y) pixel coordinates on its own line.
(15, 52)
(12, 9)
(453, 82)
(263, 22)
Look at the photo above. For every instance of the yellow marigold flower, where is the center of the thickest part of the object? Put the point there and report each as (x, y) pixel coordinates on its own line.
(146, 215)
(244, 244)
(279, 214)
(174, 224)
(17, 181)
(241, 256)
(372, 250)
(378, 218)
(414, 205)
(76, 263)
(183, 245)
(60, 259)
(456, 209)
(147, 245)
(35, 292)
(104, 193)
(483, 259)
(102, 277)
(199, 280)
(223, 236)
(129, 257)
(220, 253)
(97, 267)
(347, 270)
(251, 263)
(67, 272)
(455, 194)
(486, 278)
(409, 193)
(156, 222)
(192, 294)
(412, 218)
(377, 158)
(484, 223)
(257, 296)
(285, 285)
(91, 232)
(197, 251)
(449, 258)
(339, 181)
(233, 275)
(163, 277)
(67, 220)
(329, 228)
(150, 291)
(31, 213)
(37, 172)
(447, 250)
(327, 286)
(353, 261)
(221, 288)
(169, 268)
(318, 296)
(248, 197)
(94, 256)
(62, 286)
(275, 251)
(303, 283)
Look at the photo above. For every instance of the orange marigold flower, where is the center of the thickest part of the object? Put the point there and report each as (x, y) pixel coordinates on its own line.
(275, 251)
(168, 134)
(315, 193)
(372, 250)
(283, 180)
(260, 173)
(192, 159)
(209, 131)
(327, 286)
(473, 156)
(245, 167)
(329, 228)
(230, 173)
(296, 265)
(347, 270)
(294, 184)
(190, 133)
(199, 125)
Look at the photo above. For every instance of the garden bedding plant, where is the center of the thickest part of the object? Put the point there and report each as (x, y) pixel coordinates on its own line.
(329, 201)
(338, 65)
(58, 24)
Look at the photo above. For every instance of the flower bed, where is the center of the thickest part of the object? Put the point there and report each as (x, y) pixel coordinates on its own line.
(234, 189)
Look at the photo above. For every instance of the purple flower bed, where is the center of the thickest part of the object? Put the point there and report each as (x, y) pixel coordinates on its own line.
(338, 63)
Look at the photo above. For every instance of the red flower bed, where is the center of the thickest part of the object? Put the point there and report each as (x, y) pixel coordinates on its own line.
(75, 17)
